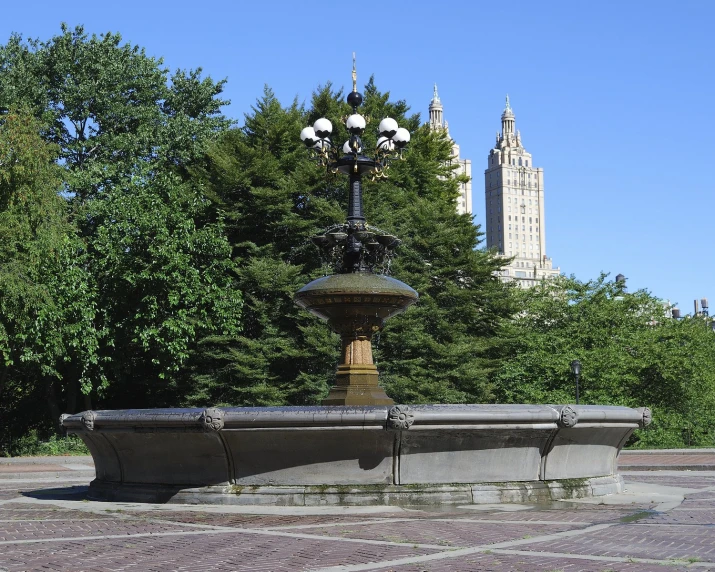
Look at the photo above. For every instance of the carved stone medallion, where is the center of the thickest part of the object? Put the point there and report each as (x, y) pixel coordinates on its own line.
(88, 418)
(213, 419)
(569, 417)
(647, 417)
(400, 417)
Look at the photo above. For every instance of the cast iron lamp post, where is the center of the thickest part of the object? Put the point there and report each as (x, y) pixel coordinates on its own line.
(576, 371)
(355, 301)
(359, 247)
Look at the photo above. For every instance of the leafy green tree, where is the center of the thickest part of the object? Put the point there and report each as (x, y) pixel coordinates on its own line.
(157, 262)
(631, 352)
(109, 106)
(262, 186)
(165, 279)
(274, 200)
(47, 307)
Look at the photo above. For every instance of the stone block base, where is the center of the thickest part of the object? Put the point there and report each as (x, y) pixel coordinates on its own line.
(365, 495)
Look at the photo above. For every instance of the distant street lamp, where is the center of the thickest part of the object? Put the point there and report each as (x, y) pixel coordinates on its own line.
(576, 371)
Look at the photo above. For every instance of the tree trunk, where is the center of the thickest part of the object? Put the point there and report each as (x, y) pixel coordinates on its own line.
(52, 401)
(72, 387)
(3, 379)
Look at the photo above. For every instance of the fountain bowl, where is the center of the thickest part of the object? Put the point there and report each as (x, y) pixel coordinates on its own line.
(363, 455)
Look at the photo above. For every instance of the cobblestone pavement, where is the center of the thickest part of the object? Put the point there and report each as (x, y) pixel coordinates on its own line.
(666, 518)
(683, 459)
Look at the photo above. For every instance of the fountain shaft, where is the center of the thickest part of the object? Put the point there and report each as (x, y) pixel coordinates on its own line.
(356, 305)
(356, 377)
(355, 212)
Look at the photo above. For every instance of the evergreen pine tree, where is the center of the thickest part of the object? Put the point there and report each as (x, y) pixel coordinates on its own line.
(274, 199)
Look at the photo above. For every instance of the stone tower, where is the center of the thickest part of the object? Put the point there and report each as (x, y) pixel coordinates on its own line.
(437, 122)
(514, 193)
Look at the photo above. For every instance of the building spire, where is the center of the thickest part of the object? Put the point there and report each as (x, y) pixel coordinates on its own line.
(436, 117)
(507, 121)
(355, 76)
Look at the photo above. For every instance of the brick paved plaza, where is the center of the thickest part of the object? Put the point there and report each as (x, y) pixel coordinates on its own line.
(666, 518)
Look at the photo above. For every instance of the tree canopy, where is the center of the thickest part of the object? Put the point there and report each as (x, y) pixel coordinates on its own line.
(632, 353)
(146, 270)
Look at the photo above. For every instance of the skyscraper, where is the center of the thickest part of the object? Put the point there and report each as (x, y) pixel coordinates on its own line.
(437, 122)
(514, 193)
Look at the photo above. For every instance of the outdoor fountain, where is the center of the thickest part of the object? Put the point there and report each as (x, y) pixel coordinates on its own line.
(358, 447)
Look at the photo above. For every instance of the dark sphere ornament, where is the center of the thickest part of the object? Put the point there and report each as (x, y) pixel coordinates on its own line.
(354, 99)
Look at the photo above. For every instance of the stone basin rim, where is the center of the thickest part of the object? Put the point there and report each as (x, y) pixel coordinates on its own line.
(304, 417)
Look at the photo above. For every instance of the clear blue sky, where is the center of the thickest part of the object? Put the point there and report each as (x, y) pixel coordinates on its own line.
(614, 99)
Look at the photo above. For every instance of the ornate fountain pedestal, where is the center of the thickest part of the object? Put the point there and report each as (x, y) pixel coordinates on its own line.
(356, 306)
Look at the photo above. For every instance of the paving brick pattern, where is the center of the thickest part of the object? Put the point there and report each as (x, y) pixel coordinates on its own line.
(661, 542)
(687, 479)
(567, 512)
(252, 520)
(518, 563)
(249, 553)
(665, 460)
(456, 534)
(42, 527)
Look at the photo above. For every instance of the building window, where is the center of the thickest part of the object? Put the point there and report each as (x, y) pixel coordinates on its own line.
(527, 162)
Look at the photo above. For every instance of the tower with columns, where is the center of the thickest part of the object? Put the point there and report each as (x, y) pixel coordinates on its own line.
(514, 193)
(464, 166)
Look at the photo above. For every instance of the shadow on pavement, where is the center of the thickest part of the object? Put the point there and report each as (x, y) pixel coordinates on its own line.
(77, 492)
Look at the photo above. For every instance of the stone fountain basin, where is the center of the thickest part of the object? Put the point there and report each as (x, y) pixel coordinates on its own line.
(446, 454)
